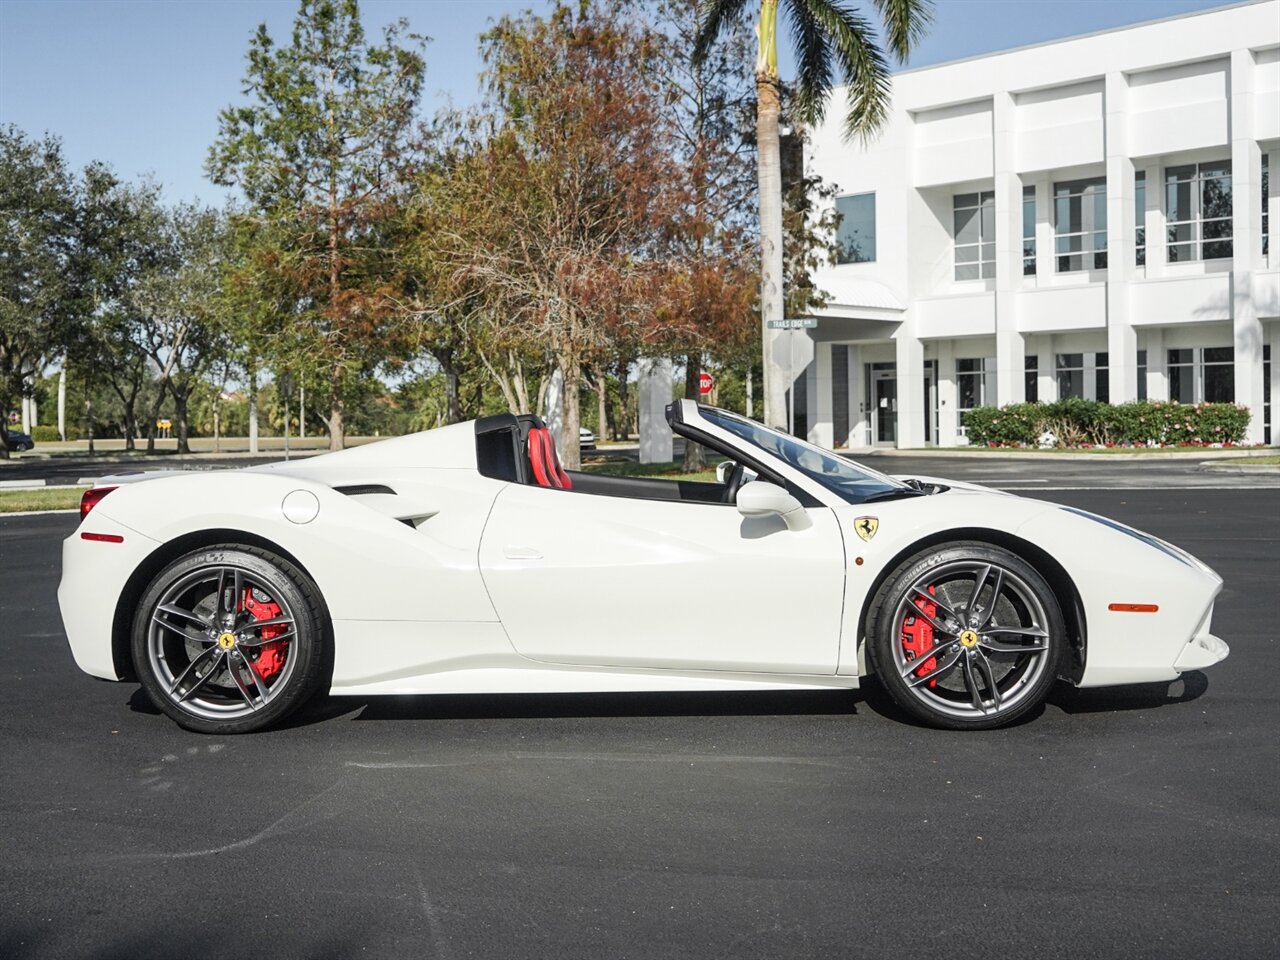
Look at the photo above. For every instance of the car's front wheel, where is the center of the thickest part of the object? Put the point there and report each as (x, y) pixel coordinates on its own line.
(230, 639)
(966, 636)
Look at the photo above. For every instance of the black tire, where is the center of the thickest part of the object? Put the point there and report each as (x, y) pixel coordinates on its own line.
(989, 664)
(212, 664)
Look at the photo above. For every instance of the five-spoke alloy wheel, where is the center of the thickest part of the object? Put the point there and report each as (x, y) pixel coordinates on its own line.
(966, 636)
(230, 639)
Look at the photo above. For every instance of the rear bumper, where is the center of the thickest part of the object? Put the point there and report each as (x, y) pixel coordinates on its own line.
(94, 574)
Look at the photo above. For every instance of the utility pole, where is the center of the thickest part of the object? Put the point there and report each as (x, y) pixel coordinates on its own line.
(62, 404)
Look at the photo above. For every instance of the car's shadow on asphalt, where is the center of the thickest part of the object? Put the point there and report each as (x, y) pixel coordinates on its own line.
(869, 699)
(1137, 696)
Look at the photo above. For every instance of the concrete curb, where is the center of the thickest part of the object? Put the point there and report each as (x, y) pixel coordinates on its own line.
(1272, 469)
(1047, 457)
(35, 513)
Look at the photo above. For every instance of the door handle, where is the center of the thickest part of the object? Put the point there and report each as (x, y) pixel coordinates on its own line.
(515, 552)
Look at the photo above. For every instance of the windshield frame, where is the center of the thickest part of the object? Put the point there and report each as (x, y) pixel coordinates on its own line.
(790, 453)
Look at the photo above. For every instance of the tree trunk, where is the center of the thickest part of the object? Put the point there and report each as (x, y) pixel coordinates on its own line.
(694, 455)
(623, 423)
(180, 414)
(336, 436)
(602, 400)
(253, 407)
(768, 105)
(155, 415)
(570, 447)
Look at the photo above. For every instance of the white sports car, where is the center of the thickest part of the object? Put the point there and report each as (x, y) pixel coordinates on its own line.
(466, 560)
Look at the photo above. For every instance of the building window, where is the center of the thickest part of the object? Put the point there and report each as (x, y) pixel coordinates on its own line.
(1101, 378)
(1080, 224)
(1029, 231)
(1266, 393)
(1198, 211)
(856, 234)
(1266, 215)
(975, 235)
(1083, 375)
(975, 384)
(1140, 218)
(1202, 375)
(1070, 369)
(1032, 375)
(1142, 374)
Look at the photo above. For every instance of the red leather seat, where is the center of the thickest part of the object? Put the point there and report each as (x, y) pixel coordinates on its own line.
(545, 462)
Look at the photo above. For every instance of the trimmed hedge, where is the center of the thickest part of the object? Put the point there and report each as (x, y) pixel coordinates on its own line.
(44, 434)
(1089, 423)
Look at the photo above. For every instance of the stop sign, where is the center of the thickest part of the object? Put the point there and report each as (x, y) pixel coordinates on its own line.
(706, 383)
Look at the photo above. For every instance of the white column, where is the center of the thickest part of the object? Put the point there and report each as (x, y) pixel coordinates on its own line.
(26, 414)
(1157, 243)
(910, 370)
(948, 423)
(1246, 178)
(1122, 340)
(1010, 383)
(654, 393)
(1157, 365)
(820, 398)
(1046, 375)
(1044, 229)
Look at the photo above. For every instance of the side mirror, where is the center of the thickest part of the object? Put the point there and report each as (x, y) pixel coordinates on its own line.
(759, 499)
(723, 469)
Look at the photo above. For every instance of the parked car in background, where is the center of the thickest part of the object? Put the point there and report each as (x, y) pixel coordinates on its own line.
(586, 439)
(19, 441)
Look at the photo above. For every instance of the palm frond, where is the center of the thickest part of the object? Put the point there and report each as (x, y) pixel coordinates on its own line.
(905, 22)
(862, 67)
(813, 62)
(714, 17)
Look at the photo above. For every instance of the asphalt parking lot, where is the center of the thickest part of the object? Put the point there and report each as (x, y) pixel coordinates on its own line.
(1136, 822)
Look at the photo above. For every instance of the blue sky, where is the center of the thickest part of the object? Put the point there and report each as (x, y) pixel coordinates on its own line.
(139, 83)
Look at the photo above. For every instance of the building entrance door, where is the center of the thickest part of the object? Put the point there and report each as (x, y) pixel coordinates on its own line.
(884, 401)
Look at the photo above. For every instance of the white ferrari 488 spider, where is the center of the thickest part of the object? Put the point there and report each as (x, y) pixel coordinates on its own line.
(466, 560)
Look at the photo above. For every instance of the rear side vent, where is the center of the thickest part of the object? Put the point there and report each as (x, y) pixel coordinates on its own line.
(361, 489)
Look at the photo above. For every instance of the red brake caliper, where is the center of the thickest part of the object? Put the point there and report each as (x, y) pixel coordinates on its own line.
(271, 656)
(917, 637)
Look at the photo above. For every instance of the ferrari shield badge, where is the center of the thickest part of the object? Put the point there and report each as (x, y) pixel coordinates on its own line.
(866, 527)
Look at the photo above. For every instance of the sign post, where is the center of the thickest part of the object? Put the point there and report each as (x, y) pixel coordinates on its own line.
(794, 325)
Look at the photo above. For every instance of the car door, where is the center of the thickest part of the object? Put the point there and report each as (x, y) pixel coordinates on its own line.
(580, 578)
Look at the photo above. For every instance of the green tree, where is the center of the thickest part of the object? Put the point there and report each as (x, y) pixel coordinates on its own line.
(316, 153)
(569, 196)
(176, 306)
(829, 37)
(40, 293)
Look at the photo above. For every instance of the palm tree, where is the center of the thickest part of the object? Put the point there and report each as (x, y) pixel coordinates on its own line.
(828, 36)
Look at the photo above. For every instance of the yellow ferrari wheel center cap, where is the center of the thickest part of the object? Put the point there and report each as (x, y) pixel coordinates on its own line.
(226, 640)
(969, 639)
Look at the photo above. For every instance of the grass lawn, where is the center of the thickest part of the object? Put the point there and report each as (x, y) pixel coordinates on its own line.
(59, 498)
(665, 471)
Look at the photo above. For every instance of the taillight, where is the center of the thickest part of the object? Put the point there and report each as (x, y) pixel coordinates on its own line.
(91, 498)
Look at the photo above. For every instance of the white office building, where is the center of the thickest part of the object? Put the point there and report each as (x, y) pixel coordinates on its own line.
(1088, 217)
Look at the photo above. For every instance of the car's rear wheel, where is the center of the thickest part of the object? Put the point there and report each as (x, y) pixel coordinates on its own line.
(966, 636)
(230, 639)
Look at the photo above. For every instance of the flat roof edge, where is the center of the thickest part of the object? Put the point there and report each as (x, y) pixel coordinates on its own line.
(1083, 36)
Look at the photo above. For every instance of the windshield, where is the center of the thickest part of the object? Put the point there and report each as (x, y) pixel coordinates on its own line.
(846, 479)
